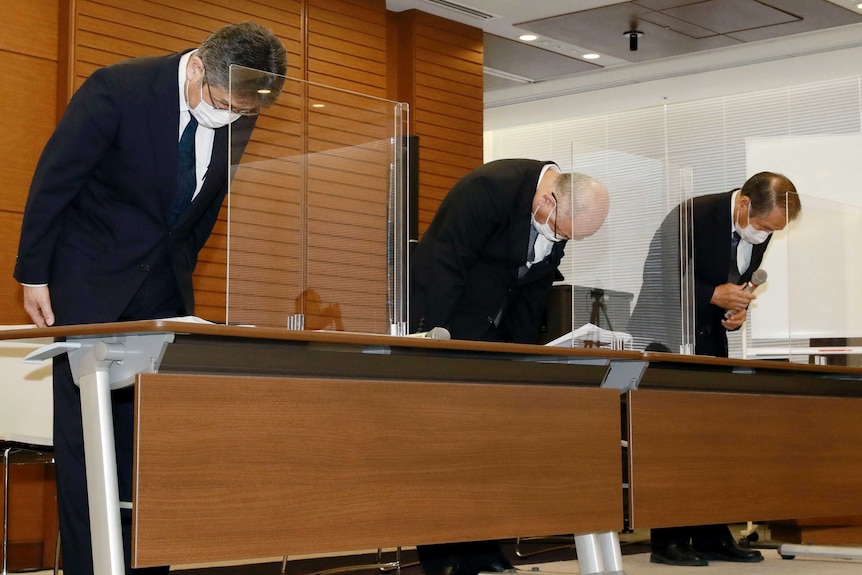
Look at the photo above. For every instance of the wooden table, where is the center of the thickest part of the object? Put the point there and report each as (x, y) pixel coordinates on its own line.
(719, 441)
(255, 442)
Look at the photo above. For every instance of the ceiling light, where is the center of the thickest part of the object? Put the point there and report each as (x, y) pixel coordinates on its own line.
(527, 37)
(591, 56)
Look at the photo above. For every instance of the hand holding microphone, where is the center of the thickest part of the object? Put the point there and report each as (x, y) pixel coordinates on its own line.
(758, 278)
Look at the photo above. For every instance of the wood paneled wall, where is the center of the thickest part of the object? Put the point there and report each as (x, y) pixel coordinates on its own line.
(28, 59)
(346, 45)
(48, 47)
(440, 71)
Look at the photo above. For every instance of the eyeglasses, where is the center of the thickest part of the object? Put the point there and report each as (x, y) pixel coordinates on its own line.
(222, 105)
(557, 212)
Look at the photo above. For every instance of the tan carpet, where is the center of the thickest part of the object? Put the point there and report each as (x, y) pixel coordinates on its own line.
(772, 564)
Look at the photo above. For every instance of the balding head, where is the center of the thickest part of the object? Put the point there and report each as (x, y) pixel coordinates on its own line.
(584, 200)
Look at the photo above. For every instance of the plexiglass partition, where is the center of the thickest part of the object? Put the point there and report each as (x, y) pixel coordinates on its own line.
(317, 211)
(810, 307)
(628, 286)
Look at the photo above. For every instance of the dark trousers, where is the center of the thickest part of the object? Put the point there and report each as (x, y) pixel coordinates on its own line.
(470, 557)
(157, 298)
(700, 536)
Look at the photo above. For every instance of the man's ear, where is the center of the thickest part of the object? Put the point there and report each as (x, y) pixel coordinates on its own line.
(194, 69)
(546, 199)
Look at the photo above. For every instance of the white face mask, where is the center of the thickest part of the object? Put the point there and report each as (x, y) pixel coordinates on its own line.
(206, 115)
(544, 228)
(749, 233)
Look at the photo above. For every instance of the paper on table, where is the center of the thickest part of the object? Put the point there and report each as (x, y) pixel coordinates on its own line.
(591, 335)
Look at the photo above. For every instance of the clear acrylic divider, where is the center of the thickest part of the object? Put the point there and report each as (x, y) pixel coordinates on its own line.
(317, 211)
(628, 285)
(809, 308)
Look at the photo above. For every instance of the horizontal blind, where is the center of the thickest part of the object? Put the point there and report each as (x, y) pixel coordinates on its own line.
(646, 156)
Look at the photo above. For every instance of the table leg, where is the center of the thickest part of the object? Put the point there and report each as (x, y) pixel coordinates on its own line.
(6, 453)
(101, 464)
(599, 554)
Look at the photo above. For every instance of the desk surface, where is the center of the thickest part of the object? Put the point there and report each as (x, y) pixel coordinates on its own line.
(202, 349)
(468, 439)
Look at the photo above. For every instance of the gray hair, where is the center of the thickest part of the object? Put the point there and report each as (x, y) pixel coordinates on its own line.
(769, 190)
(250, 45)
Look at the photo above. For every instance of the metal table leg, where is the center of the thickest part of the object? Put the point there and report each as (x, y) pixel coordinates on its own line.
(6, 453)
(599, 553)
(101, 463)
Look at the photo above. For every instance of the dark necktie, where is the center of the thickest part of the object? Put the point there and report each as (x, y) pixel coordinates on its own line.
(186, 179)
(733, 273)
(531, 250)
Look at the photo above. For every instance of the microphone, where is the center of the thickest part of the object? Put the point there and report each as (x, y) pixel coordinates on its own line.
(758, 278)
(435, 333)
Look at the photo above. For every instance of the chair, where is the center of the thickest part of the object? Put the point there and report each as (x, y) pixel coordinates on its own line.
(25, 416)
(37, 454)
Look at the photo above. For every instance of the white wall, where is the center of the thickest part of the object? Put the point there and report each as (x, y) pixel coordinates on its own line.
(697, 122)
(789, 71)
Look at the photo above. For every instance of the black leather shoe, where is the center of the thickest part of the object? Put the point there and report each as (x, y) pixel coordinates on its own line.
(730, 551)
(677, 554)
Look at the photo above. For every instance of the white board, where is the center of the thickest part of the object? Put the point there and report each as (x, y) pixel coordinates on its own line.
(814, 283)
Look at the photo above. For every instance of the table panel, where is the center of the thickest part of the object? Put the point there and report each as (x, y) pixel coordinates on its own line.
(698, 458)
(231, 467)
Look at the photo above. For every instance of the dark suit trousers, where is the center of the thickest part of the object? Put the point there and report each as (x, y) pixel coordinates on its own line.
(471, 557)
(157, 298)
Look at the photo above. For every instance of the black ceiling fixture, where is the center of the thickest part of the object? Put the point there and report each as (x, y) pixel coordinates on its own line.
(633, 33)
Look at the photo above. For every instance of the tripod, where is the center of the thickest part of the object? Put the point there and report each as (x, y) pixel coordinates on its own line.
(599, 309)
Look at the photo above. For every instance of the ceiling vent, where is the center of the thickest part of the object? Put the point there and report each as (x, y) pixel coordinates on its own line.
(466, 10)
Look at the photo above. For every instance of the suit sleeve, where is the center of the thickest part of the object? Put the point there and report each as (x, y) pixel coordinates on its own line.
(72, 154)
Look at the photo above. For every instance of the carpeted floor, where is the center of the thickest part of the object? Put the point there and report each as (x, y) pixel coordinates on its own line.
(547, 557)
(548, 560)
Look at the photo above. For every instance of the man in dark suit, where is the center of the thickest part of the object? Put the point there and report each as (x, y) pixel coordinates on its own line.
(484, 267)
(483, 270)
(727, 240)
(124, 196)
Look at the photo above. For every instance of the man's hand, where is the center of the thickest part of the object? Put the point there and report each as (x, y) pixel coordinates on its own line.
(735, 321)
(37, 303)
(733, 297)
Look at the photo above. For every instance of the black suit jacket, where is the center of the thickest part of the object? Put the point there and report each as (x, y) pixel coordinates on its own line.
(464, 270)
(657, 316)
(96, 219)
